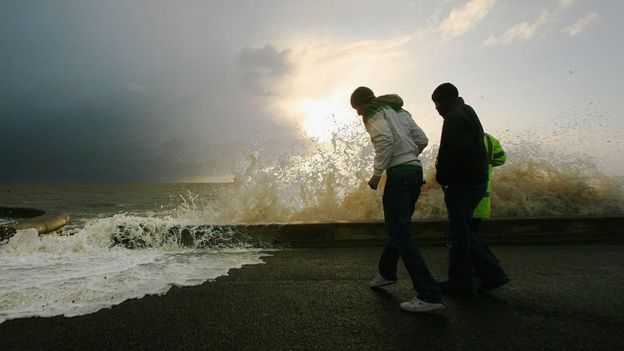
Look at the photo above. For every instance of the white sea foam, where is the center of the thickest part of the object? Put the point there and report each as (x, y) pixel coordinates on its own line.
(82, 273)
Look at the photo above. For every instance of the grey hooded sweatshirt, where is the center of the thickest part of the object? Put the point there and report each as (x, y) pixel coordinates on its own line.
(397, 139)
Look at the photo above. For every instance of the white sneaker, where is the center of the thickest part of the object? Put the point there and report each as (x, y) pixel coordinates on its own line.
(417, 305)
(380, 281)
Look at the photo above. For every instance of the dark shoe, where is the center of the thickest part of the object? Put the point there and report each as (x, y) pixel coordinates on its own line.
(448, 288)
(380, 281)
(485, 287)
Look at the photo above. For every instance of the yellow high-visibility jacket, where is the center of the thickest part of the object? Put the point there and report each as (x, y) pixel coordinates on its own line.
(496, 157)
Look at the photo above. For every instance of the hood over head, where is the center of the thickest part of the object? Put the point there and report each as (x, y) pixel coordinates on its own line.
(392, 100)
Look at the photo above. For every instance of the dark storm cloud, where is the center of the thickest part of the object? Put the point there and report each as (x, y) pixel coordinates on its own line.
(263, 67)
(118, 91)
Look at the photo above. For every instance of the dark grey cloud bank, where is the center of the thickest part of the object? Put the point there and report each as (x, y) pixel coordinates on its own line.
(262, 67)
(123, 92)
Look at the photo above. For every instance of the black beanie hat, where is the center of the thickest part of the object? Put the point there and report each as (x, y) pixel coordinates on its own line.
(445, 92)
(361, 96)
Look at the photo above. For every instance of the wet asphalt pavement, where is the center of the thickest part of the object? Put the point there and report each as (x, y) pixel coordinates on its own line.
(568, 297)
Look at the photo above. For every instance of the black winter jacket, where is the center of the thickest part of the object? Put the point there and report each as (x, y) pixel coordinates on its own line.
(462, 157)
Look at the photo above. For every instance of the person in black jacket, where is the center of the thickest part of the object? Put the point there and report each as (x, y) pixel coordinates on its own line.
(462, 170)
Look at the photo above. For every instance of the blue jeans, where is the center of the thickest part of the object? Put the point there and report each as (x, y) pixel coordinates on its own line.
(399, 201)
(466, 251)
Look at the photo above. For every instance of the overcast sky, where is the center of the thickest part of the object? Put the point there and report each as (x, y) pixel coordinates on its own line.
(177, 90)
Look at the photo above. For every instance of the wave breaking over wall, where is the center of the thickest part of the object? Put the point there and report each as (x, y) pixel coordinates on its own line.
(328, 182)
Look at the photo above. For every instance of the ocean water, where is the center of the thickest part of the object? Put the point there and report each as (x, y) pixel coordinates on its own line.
(81, 268)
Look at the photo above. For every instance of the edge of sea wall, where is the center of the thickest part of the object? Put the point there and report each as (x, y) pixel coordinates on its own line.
(433, 232)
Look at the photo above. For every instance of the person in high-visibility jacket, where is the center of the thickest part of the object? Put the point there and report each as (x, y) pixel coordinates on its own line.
(496, 156)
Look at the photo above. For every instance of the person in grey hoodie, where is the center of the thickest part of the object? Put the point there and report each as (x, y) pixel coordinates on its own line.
(398, 141)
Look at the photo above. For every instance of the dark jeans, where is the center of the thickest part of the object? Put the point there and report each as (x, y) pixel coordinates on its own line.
(466, 251)
(399, 201)
(475, 224)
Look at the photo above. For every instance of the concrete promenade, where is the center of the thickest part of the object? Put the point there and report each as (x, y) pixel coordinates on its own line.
(562, 297)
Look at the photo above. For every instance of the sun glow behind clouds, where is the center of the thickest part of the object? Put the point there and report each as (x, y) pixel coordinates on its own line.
(322, 117)
(325, 73)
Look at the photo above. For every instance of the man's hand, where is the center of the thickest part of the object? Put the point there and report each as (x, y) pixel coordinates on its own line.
(374, 182)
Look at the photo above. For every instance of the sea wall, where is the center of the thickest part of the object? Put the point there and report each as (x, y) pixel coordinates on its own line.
(433, 232)
(507, 231)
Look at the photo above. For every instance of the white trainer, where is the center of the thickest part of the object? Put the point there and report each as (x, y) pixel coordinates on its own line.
(417, 305)
(380, 281)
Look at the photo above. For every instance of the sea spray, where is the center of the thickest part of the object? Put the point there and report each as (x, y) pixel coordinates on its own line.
(328, 182)
(310, 182)
(534, 187)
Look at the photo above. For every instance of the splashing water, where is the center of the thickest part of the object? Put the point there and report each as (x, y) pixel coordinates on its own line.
(310, 186)
(328, 182)
(82, 273)
(315, 182)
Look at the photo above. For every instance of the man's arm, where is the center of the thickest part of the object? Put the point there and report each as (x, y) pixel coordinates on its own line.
(382, 139)
(455, 150)
(498, 154)
(418, 136)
